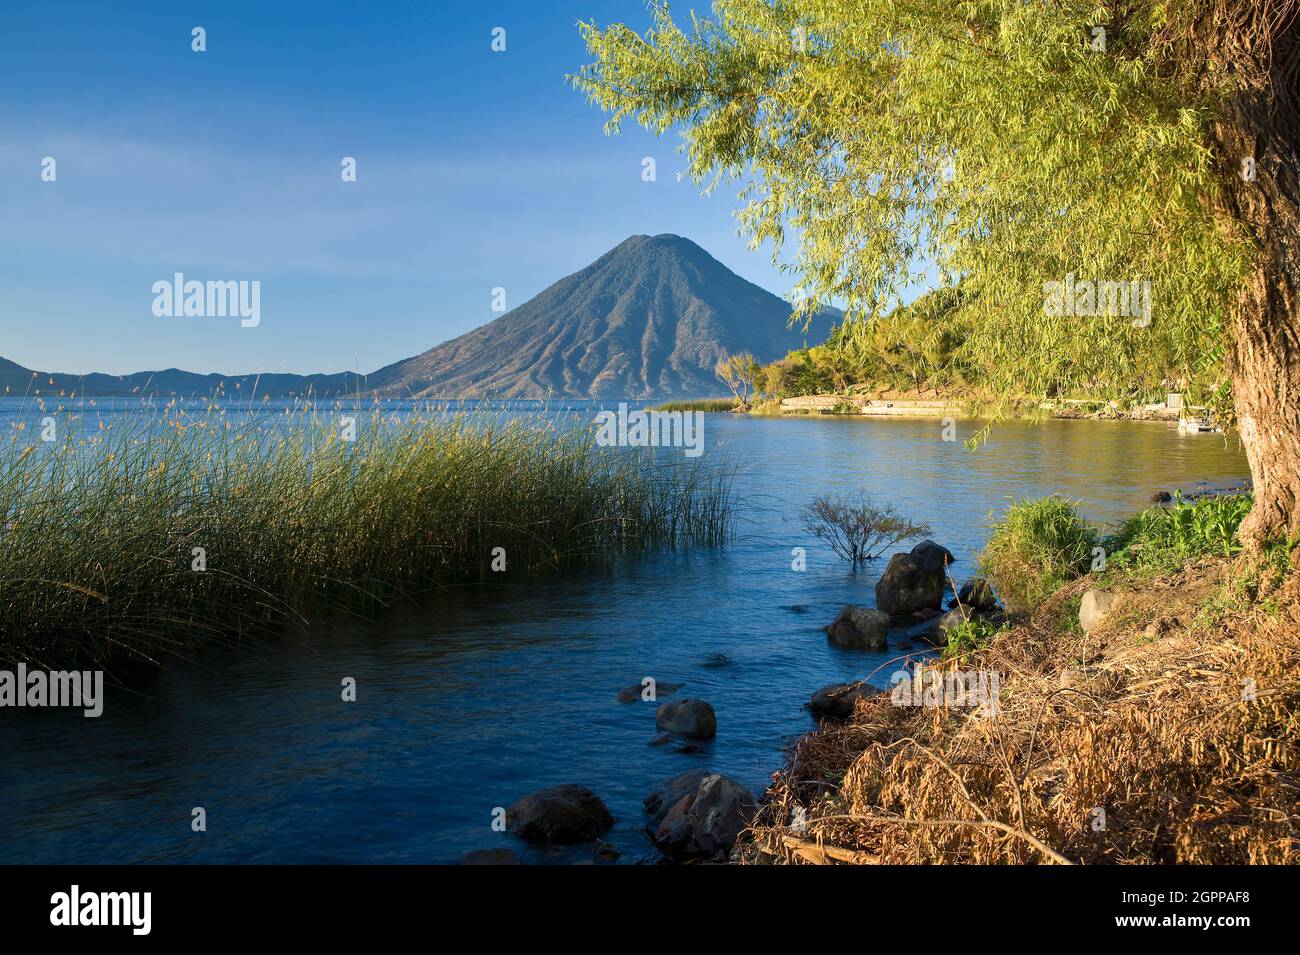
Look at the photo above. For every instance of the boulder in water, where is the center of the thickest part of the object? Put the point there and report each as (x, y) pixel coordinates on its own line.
(561, 815)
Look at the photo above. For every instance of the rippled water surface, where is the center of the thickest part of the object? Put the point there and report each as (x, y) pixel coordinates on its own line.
(481, 695)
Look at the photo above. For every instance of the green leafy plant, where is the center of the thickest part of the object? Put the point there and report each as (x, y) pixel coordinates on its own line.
(967, 637)
(1165, 538)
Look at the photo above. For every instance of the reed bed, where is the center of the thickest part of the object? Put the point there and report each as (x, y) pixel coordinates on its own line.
(1168, 735)
(142, 534)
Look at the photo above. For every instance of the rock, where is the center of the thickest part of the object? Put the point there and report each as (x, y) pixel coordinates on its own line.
(1094, 607)
(705, 820)
(931, 557)
(693, 718)
(562, 815)
(906, 586)
(1161, 497)
(605, 850)
(716, 660)
(663, 739)
(859, 628)
(630, 694)
(490, 857)
(796, 608)
(670, 792)
(937, 635)
(977, 593)
(838, 700)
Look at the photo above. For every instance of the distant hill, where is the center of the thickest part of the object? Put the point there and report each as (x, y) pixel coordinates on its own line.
(648, 319)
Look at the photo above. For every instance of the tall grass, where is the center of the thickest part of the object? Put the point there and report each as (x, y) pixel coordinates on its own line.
(1036, 547)
(99, 529)
(700, 404)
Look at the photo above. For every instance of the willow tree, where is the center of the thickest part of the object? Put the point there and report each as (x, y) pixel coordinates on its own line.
(1006, 145)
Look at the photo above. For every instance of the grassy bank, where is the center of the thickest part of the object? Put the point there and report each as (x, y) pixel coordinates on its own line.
(1167, 734)
(146, 536)
(700, 404)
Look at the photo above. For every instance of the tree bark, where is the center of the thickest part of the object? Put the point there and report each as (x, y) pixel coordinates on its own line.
(1259, 122)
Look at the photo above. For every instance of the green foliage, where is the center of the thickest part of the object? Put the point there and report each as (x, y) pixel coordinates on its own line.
(967, 637)
(986, 142)
(1035, 548)
(1164, 538)
(856, 529)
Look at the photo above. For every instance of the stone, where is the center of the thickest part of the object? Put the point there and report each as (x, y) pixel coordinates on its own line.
(630, 694)
(705, 820)
(693, 718)
(859, 628)
(906, 586)
(670, 792)
(561, 815)
(977, 593)
(1094, 607)
(931, 557)
(838, 700)
(491, 857)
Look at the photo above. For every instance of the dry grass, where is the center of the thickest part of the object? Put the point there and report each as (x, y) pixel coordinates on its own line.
(1144, 718)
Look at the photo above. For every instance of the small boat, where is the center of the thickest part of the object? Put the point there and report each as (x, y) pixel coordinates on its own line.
(1197, 426)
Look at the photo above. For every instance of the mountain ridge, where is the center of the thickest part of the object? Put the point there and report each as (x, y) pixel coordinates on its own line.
(648, 319)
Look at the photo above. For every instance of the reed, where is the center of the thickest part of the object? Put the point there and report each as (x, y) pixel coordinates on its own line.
(101, 531)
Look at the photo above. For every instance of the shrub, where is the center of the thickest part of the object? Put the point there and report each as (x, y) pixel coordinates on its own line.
(1035, 548)
(856, 529)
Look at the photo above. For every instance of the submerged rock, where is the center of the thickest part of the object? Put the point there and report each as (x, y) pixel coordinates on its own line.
(838, 700)
(859, 628)
(716, 661)
(491, 857)
(561, 815)
(694, 718)
(907, 586)
(1094, 607)
(698, 815)
(630, 694)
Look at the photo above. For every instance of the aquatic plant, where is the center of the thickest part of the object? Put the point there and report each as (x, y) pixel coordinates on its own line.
(144, 532)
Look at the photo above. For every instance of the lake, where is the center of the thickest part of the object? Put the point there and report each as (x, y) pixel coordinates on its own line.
(479, 695)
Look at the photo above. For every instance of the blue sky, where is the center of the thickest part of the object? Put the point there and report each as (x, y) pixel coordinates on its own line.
(475, 170)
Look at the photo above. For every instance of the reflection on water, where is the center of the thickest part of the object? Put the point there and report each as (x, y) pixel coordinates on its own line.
(479, 695)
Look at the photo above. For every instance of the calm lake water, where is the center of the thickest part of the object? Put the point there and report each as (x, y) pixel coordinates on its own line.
(483, 694)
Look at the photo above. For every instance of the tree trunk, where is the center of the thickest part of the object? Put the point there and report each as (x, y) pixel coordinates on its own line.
(1264, 360)
(1258, 132)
